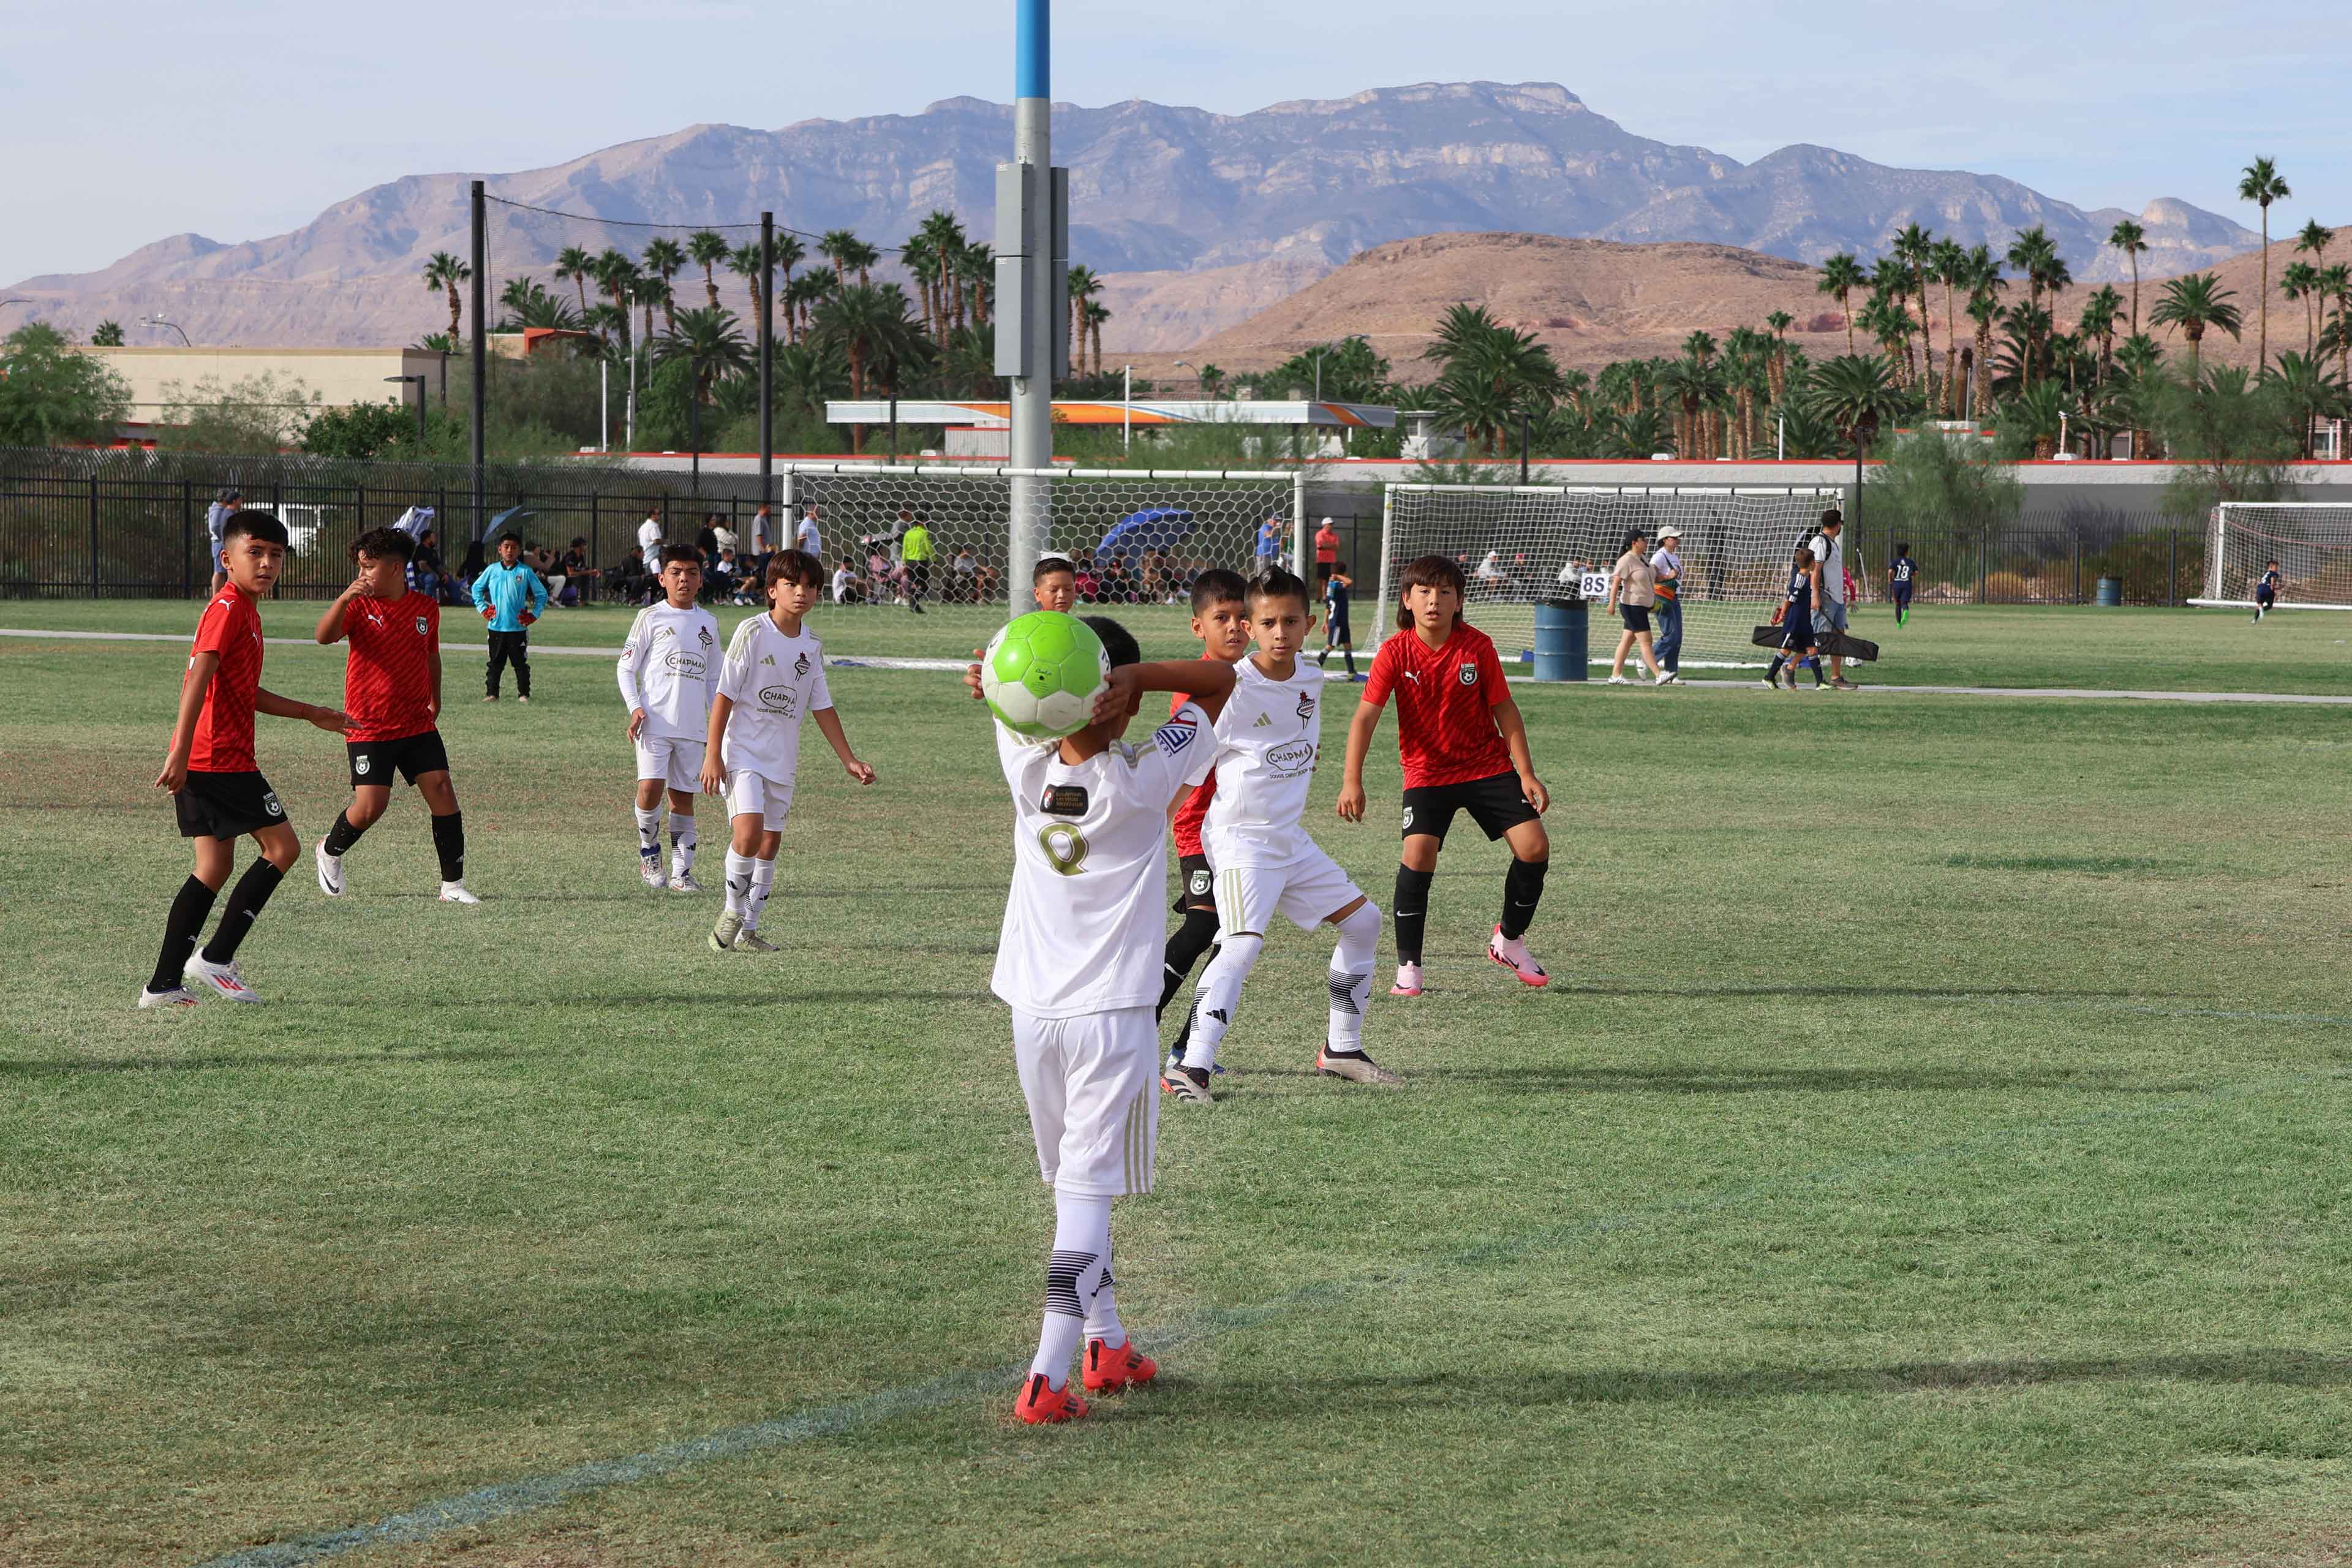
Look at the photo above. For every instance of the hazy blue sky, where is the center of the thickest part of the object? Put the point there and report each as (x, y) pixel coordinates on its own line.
(239, 119)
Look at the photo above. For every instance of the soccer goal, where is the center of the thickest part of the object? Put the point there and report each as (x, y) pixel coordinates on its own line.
(1137, 535)
(2311, 542)
(1523, 544)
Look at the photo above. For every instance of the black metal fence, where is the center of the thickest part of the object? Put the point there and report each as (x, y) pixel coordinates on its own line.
(122, 524)
(2053, 557)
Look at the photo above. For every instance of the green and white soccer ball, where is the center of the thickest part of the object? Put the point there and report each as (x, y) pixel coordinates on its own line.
(1042, 674)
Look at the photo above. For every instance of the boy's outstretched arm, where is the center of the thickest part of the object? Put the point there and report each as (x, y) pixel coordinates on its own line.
(330, 619)
(830, 722)
(1206, 681)
(1514, 728)
(1360, 730)
(329, 719)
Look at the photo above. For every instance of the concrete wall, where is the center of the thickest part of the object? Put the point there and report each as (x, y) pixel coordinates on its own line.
(339, 376)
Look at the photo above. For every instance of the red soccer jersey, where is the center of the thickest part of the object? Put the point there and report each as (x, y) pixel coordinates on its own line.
(1446, 696)
(1195, 810)
(388, 679)
(231, 628)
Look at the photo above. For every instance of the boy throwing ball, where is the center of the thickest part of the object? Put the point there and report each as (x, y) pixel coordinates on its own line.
(209, 771)
(1079, 963)
(392, 688)
(1464, 748)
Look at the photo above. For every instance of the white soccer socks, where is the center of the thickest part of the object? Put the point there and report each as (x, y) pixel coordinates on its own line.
(764, 882)
(1074, 1274)
(739, 873)
(681, 843)
(649, 835)
(1220, 996)
(1352, 962)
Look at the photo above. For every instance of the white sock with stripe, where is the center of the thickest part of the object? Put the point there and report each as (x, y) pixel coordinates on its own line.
(738, 883)
(764, 882)
(649, 834)
(1074, 1277)
(1352, 962)
(681, 842)
(1219, 997)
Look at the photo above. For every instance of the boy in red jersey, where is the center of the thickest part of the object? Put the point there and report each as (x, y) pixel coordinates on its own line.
(391, 688)
(1464, 748)
(217, 793)
(1221, 620)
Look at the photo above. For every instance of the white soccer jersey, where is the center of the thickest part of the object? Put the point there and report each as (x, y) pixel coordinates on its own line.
(1085, 923)
(1267, 740)
(775, 681)
(666, 669)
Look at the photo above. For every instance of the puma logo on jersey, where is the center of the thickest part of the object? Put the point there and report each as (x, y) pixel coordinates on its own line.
(1411, 674)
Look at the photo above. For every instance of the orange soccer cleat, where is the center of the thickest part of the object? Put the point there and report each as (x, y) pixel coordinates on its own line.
(1109, 1369)
(1042, 1405)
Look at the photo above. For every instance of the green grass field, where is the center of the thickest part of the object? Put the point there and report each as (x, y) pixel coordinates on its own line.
(1930, 1150)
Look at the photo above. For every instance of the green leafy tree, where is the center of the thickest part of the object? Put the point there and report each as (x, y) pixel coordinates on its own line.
(2310, 393)
(2262, 185)
(1933, 478)
(264, 413)
(1914, 247)
(2231, 437)
(2196, 304)
(51, 396)
(1854, 394)
(873, 330)
(710, 345)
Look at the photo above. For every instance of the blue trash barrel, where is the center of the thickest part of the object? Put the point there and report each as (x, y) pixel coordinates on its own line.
(1563, 642)
(2111, 591)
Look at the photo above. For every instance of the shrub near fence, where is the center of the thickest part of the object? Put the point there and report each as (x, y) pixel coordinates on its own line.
(129, 525)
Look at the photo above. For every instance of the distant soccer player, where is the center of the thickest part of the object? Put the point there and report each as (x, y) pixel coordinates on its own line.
(1797, 645)
(392, 689)
(1464, 748)
(1076, 962)
(1898, 582)
(773, 677)
(1221, 620)
(2266, 591)
(1337, 633)
(510, 597)
(217, 791)
(1054, 584)
(665, 672)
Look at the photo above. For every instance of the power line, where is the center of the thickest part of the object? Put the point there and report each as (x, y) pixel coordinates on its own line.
(689, 227)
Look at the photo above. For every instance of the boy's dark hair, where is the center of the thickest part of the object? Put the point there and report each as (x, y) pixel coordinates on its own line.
(1116, 641)
(381, 543)
(1429, 572)
(1832, 519)
(1049, 564)
(506, 539)
(1804, 558)
(1218, 586)
(229, 495)
(2272, 562)
(686, 552)
(262, 525)
(794, 566)
(1902, 547)
(1278, 583)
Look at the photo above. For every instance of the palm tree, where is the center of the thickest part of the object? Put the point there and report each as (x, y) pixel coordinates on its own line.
(1461, 327)
(572, 265)
(651, 292)
(666, 258)
(1854, 395)
(608, 321)
(800, 299)
(2131, 239)
(707, 249)
(1984, 283)
(708, 340)
(2300, 280)
(943, 236)
(1916, 248)
(2335, 283)
(2262, 185)
(839, 245)
(1889, 326)
(869, 327)
(107, 334)
(617, 276)
(1841, 276)
(1084, 286)
(2194, 304)
(1950, 263)
(2037, 413)
(916, 256)
(2100, 313)
(1213, 376)
(975, 269)
(2315, 237)
(2308, 389)
(1777, 380)
(744, 262)
(1096, 314)
(444, 271)
(1890, 283)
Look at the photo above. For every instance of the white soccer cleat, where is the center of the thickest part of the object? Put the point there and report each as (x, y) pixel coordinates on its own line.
(1355, 1066)
(226, 982)
(1512, 954)
(683, 882)
(458, 893)
(753, 941)
(650, 873)
(723, 934)
(331, 871)
(177, 996)
(1407, 981)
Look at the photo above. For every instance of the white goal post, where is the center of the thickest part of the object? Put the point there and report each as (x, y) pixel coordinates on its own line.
(1518, 544)
(1138, 535)
(2311, 542)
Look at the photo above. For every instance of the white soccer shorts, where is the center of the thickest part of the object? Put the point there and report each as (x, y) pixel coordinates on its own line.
(673, 759)
(1093, 1086)
(1309, 891)
(756, 795)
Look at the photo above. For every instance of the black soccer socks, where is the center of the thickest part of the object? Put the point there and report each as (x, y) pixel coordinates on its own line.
(449, 843)
(1522, 891)
(1184, 950)
(244, 903)
(1410, 911)
(342, 834)
(181, 927)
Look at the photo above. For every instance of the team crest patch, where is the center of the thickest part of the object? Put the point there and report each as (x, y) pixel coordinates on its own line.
(360, 765)
(800, 665)
(1200, 884)
(1064, 800)
(269, 802)
(704, 633)
(1408, 816)
(1469, 675)
(1306, 706)
(1173, 736)
(420, 626)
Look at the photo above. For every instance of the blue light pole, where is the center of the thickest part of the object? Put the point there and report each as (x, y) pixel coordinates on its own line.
(1032, 260)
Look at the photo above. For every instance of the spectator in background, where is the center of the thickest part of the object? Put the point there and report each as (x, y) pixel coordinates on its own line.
(706, 541)
(724, 532)
(724, 577)
(1632, 590)
(1327, 550)
(806, 536)
(1667, 562)
(576, 574)
(763, 542)
(650, 539)
(1269, 542)
(916, 549)
(225, 505)
(963, 572)
(848, 587)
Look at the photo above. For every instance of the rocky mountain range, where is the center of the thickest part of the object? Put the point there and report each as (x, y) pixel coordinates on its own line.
(1198, 219)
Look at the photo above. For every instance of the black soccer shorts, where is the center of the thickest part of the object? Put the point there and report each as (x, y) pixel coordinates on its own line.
(226, 806)
(1496, 805)
(411, 756)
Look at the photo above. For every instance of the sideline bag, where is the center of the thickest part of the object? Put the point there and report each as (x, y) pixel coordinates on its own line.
(1860, 649)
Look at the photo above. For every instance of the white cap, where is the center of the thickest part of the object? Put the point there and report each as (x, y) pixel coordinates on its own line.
(1669, 532)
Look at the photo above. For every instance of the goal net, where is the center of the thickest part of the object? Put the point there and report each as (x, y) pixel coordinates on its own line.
(1521, 544)
(1137, 536)
(2311, 542)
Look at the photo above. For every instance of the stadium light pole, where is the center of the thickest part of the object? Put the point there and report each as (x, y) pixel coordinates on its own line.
(1031, 248)
(481, 375)
(767, 355)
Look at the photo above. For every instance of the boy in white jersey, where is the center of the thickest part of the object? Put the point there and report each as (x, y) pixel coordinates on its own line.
(1269, 738)
(666, 686)
(1079, 963)
(773, 677)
